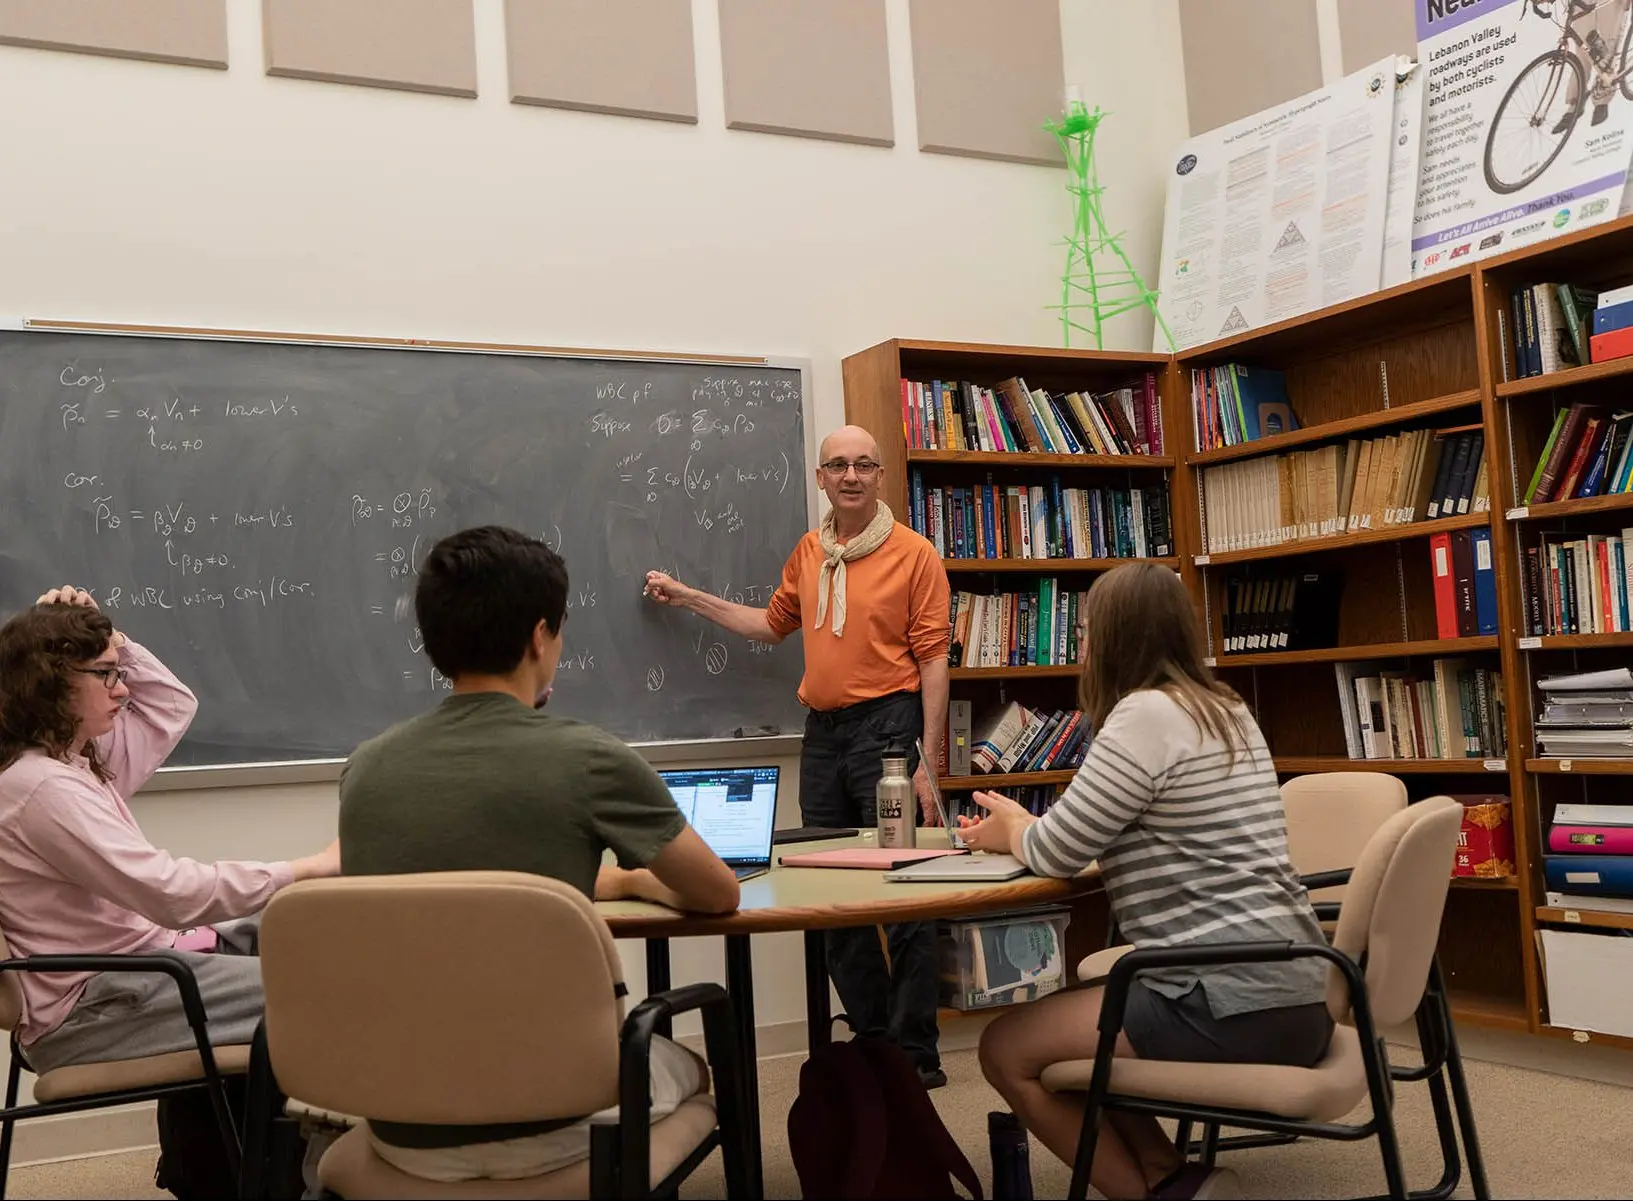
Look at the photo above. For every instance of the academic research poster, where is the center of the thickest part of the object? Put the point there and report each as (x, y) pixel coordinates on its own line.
(1526, 133)
(1279, 213)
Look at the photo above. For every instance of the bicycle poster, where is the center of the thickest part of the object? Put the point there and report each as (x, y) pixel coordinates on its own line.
(1527, 127)
(1279, 213)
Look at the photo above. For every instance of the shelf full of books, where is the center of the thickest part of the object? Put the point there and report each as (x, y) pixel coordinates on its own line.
(1011, 417)
(1588, 453)
(1346, 488)
(1034, 627)
(1579, 583)
(1558, 326)
(1041, 521)
(1455, 710)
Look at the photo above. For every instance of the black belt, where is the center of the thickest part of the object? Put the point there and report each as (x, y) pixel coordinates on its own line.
(861, 709)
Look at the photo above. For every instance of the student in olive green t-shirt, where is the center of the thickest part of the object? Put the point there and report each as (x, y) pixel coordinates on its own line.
(487, 781)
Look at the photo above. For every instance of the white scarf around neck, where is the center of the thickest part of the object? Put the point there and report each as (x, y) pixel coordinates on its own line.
(833, 565)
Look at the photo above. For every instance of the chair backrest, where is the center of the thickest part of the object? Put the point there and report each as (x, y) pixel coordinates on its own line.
(1332, 815)
(1390, 916)
(443, 998)
(11, 992)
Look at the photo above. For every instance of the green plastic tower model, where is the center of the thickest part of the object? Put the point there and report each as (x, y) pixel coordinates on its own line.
(1092, 289)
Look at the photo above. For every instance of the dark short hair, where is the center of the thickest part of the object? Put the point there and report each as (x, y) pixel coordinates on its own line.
(37, 649)
(481, 594)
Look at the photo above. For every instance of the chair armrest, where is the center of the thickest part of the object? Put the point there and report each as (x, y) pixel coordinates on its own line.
(1317, 880)
(722, 1051)
(1326, 911)
(192, 1002)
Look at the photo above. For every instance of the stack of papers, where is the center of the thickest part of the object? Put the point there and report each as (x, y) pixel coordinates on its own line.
(1588, 715)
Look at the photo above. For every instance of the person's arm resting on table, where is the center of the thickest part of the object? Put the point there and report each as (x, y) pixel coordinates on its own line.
(660, 857)
(1115, 785)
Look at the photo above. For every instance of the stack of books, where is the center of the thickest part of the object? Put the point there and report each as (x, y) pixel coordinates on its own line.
(1019, 521)
(1579, 583)
(1237, 403)
(1588, 715)
(1018, 739)
(1281, 611)
(1417, 475)
(1453, 712)
(1589, 864)
(960, 415)
(1015, 629)
(1589, 452)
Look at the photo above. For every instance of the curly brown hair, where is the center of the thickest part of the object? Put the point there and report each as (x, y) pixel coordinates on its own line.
(37, 647)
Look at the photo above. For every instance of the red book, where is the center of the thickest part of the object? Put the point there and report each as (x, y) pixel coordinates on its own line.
(1586, 446)
(1612, 344)
(1440, 567)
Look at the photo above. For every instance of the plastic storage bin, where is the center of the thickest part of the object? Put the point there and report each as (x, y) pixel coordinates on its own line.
(1003, 957)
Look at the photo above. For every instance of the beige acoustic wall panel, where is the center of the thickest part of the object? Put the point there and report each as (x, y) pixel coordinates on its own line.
(630, 57)
(415, 45)
(987, 74)
(810, 68)
(1372, 29)
(1244, 56)
(190, 32)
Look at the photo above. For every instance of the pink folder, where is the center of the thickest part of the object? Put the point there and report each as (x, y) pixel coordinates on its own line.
(879, 859)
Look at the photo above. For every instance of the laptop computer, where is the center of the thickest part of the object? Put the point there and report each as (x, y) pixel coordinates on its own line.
(954, 838)
(733, 810)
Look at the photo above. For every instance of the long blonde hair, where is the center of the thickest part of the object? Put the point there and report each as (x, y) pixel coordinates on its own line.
(1142, 633)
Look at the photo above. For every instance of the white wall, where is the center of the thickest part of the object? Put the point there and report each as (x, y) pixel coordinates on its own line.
(144, 193)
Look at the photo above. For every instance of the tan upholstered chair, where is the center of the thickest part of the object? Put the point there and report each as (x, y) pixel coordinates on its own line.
(1379, 966)
(86, 1086)
(455, 998)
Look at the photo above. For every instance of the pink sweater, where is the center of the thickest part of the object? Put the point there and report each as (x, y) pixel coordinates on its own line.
(76, 874)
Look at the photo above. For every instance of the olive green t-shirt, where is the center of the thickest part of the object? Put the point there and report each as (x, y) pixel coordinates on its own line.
(484, 783)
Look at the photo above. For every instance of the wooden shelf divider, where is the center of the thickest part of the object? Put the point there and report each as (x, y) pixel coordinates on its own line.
(1598, 919)
(1010, 780)
(1031, 672)
(1570, 377)
(1304, 764)
(1574, 642)
(1310, 546)
(1556, 510)
(1579, 767)
(1361, 651)
(1343, 427)
(1048, 566)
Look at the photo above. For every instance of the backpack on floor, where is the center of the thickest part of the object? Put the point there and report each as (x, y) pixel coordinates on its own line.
(863, 1126)
(193, 1163)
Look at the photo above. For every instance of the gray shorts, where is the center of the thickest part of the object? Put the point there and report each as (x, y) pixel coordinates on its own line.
(126, 1015)
(1184, 1029)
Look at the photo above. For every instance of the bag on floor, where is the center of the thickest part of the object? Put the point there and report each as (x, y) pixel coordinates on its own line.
(863, 1126)
(192, 1161)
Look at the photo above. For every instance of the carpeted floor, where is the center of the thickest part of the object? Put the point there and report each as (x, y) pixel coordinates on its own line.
(1545, 1135)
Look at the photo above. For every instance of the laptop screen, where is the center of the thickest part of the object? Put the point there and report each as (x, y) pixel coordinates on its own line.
(733, 809)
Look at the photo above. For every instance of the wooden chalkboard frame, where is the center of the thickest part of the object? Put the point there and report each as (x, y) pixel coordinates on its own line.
(307, 771)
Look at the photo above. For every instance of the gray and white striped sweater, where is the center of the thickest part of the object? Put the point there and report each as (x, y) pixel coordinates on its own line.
(1192, 849)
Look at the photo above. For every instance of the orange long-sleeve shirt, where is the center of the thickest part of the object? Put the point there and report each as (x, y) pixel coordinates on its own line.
(895, 618)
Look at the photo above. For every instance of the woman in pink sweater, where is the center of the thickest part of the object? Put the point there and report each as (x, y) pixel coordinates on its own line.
(86, 717)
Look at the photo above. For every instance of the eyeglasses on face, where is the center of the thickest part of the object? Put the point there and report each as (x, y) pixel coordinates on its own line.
(865, 469)
(111, 677)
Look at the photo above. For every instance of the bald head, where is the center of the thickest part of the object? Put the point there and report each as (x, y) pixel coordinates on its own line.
(848, 442)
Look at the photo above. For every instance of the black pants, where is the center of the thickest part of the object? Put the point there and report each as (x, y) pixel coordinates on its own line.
(840, 767)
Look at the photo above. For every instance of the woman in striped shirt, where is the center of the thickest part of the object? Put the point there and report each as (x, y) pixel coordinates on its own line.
(1177, 801)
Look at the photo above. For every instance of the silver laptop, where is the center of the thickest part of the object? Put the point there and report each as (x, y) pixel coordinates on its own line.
(954, 837)
(733, 809)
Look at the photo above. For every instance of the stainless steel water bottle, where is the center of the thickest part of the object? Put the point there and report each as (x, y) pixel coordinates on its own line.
(893, 801)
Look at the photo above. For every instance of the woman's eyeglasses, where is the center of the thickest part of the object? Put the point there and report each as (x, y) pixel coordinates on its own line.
(111, 677)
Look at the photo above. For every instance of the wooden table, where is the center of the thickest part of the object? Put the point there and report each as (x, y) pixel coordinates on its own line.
(811, 900)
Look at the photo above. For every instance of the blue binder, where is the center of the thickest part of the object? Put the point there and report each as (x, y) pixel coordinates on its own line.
(1590, 875)
(1485, 581)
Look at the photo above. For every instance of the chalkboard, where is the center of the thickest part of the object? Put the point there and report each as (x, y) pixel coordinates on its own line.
(254, 512)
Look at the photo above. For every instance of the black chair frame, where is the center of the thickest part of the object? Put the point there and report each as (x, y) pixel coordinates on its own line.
(620, 1153)
(192, 1004)
(1374, 1057)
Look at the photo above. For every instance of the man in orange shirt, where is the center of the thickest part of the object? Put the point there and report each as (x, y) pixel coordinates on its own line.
(871, 597)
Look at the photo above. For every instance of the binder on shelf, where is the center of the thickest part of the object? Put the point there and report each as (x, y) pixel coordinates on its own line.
(1485, 582)
(1468, 622)
(1445, 590)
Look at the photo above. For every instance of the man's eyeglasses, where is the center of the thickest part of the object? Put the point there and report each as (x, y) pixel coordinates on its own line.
(111, 677)
(865, 469)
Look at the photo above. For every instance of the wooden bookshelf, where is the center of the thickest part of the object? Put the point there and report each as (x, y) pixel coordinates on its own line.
(1556, 510)
(1378, 650)
(1570, 377)
(1594, 918)
(1579, 767)
(1298, 765)
(1310, 546)
(1010, 780)
(1341, 428)
(1048, 566)
(1429, 353)
(988, 458)
(1034, 672)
